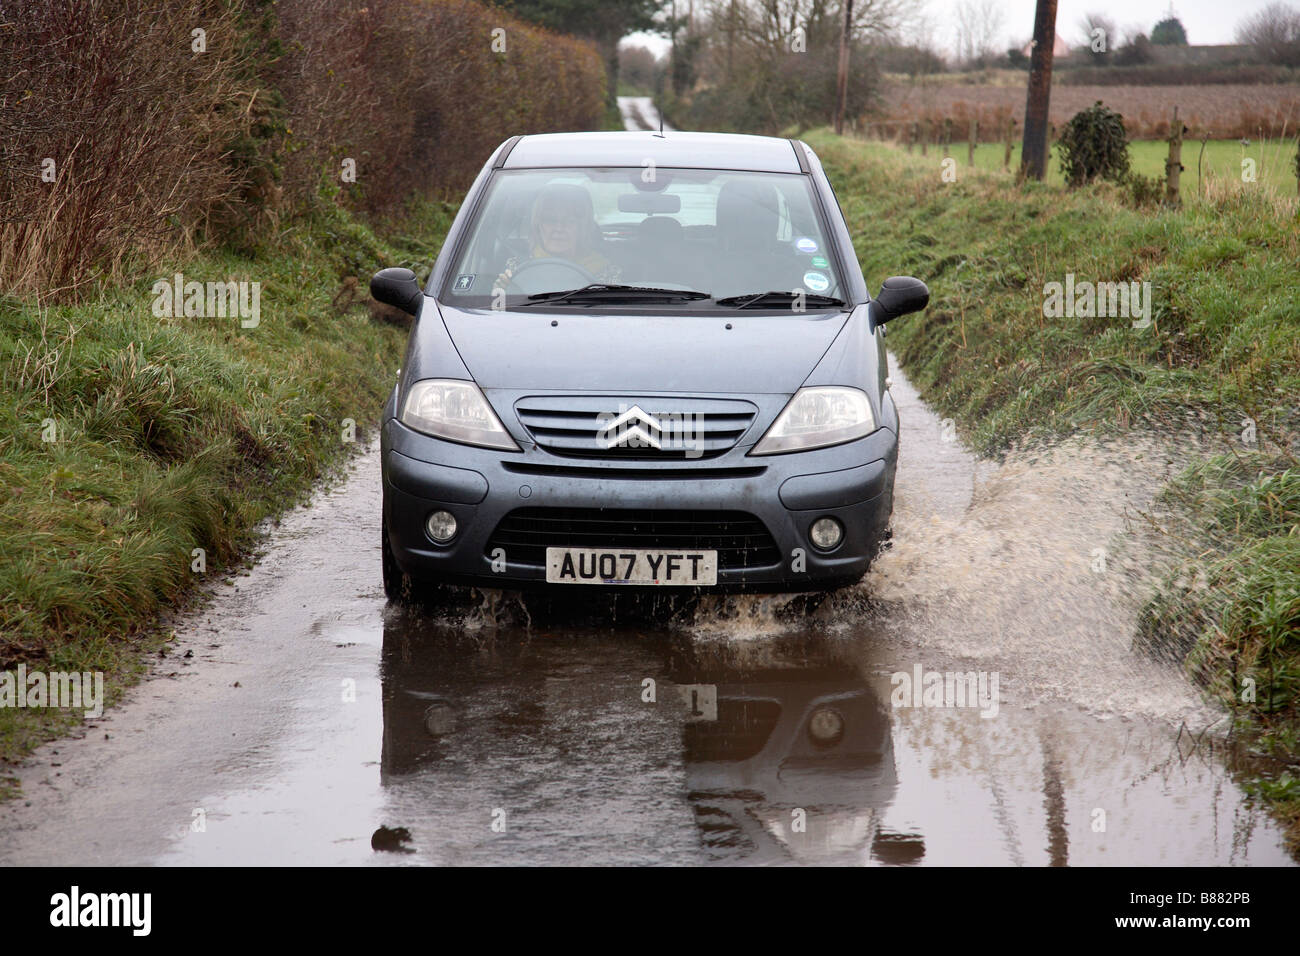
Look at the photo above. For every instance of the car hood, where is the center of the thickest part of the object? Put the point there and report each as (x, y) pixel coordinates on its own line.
(712, 353)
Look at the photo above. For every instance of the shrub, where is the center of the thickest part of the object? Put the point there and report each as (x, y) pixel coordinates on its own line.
(1094, 145)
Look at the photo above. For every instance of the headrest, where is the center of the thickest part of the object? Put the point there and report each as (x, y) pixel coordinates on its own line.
(747, 211)
(662, 229)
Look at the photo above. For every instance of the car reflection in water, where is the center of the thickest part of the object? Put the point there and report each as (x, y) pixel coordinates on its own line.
(789, 755)
(785, 745)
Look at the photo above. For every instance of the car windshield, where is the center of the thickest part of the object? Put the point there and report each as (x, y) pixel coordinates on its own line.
(636, 236)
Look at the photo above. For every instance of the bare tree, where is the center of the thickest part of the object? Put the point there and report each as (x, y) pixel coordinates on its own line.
(1098, 44)
(918, 36)
(979, 24)
(1136, 47)
(767, 64)
(772, 23)
(1274, 32)
(637, 67)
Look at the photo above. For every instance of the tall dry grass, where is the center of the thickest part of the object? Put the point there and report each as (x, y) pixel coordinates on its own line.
(157, 148)
(135, 124)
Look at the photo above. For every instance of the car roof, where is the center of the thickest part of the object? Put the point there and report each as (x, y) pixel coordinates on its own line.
(669, 149)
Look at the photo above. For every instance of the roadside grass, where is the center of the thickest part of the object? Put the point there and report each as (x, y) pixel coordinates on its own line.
(613, 118)
(1220, 163)
(1231, 607)
(173, 434)
(1218, 366)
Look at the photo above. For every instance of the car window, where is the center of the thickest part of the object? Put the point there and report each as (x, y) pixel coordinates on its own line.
(722, 232)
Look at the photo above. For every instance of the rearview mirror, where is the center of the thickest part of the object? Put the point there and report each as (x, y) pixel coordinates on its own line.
(899, 295)
(398, 288)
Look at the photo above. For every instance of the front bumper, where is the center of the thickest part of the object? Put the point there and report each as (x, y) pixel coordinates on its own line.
(853, 482)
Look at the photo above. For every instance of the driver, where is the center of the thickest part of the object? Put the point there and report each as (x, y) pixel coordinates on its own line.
(564, 227)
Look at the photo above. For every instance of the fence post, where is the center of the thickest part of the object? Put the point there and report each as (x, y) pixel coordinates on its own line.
(1174, 164)
(1011, 132)
(911, 136)
(974, 138)
(925, 137)
(947, 137)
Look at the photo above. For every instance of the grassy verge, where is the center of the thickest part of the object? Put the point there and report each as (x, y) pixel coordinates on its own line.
(127, 440)
(1221, 357)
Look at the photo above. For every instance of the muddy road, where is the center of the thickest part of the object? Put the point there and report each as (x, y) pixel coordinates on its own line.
(298, 714)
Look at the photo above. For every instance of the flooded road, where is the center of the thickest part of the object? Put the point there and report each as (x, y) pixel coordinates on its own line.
(751, 730)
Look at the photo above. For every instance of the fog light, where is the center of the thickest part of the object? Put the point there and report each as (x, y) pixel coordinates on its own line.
(825, 726)
(441, 526)
(439, 720)
(826, 533)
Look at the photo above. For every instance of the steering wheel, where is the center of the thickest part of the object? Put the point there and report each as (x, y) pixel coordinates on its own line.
(556, 263)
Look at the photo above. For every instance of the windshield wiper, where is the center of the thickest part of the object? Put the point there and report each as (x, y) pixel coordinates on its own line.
(604, 290)
(755, 298)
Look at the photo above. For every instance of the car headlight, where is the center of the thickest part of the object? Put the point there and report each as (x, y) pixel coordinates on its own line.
(455, 410)
(817, 417)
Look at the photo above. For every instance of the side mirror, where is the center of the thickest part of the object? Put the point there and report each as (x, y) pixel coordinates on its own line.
(899, 295)
(398, 288)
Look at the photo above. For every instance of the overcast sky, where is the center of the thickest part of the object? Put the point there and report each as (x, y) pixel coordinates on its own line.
(1206, 21)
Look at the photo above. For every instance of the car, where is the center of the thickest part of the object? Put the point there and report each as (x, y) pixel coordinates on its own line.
(641, 360)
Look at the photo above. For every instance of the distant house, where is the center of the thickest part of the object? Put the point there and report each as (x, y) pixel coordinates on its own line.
(1060, 49)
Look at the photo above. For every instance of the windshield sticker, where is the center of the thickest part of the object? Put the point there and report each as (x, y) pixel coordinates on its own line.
(463, 282)
(805, 245)
(816, 281)
(821, 262)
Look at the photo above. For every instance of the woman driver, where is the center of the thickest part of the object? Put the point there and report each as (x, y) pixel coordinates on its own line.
(564, 227)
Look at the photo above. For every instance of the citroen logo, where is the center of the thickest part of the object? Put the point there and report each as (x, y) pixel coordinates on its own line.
(633, 428)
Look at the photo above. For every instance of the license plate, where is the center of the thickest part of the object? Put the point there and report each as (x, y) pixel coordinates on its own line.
(631, 566)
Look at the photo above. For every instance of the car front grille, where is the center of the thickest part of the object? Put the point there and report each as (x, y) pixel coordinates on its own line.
(624, 427)
(740, 539)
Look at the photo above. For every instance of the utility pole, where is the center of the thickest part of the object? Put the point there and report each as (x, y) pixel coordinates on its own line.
(842, 77)
(1033, 153)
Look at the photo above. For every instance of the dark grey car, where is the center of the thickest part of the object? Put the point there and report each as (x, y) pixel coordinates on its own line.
(642, 360)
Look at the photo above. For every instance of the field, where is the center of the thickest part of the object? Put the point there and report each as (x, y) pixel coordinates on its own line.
(1223, 111)
(1221, 161)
